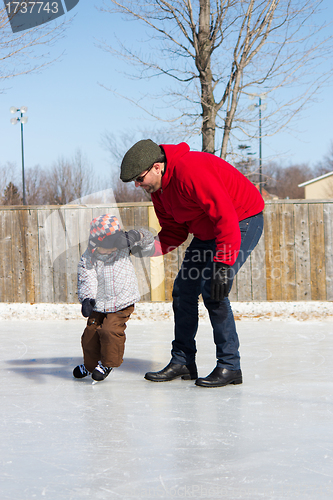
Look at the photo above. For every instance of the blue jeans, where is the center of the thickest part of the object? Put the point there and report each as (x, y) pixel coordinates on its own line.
(193, 279)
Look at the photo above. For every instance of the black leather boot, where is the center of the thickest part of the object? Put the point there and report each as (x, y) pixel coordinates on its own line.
(220, 377)
(172, 371)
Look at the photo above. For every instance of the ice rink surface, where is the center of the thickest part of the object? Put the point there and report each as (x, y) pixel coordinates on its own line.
(270, 438)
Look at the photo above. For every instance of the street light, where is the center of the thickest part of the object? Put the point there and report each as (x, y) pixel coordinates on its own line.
(22, 119)
(261, 107)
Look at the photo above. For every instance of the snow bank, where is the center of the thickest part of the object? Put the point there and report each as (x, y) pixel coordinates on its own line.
(160, 311)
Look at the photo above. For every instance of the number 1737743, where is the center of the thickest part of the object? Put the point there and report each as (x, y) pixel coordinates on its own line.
(32, 7)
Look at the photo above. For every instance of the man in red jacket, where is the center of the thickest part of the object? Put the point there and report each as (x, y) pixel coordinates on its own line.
(201, 194)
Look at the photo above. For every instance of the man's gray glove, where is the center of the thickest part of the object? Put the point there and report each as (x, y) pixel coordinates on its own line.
(220, 282)
(87, 307)
(146, 246)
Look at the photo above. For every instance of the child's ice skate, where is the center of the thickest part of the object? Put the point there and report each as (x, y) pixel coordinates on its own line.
(80, 371)
(100, 372)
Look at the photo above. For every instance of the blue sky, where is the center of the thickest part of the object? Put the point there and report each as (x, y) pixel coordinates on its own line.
(69, 109)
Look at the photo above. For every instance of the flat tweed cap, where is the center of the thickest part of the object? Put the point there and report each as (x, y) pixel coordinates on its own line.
(138, 159)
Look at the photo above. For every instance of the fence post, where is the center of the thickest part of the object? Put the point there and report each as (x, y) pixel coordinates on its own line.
(157, 284)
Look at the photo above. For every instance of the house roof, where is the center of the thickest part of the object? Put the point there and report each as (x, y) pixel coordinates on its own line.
(315, 179)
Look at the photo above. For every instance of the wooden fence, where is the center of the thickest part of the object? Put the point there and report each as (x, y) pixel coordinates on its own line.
(41, 246)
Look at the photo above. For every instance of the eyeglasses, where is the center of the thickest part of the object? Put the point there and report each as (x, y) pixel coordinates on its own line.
(141, 177)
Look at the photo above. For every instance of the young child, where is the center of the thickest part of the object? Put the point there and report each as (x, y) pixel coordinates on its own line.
(108, 290)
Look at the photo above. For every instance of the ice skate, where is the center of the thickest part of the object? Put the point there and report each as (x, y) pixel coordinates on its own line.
(80, 371)
(100, 372)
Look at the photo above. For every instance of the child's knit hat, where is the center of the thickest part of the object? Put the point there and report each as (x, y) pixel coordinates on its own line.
(100, 228)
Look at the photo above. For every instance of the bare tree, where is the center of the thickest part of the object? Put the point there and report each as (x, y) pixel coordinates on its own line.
(65, 181)
(117, 145)
(127, 192)
(283, 181)
(8, 173)
(25, 51)
(69, 180)
(36, 183)
(326, 164)
(217, 53)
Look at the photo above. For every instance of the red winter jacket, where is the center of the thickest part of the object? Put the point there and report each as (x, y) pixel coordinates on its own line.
(203, 195)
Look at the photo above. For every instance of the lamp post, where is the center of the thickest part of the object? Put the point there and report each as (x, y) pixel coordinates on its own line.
(261, 107)
(22, 119)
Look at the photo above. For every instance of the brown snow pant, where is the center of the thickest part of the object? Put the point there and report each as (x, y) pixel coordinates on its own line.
(104, 338)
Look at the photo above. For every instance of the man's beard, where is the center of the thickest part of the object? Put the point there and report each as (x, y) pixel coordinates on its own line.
(149, 189)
